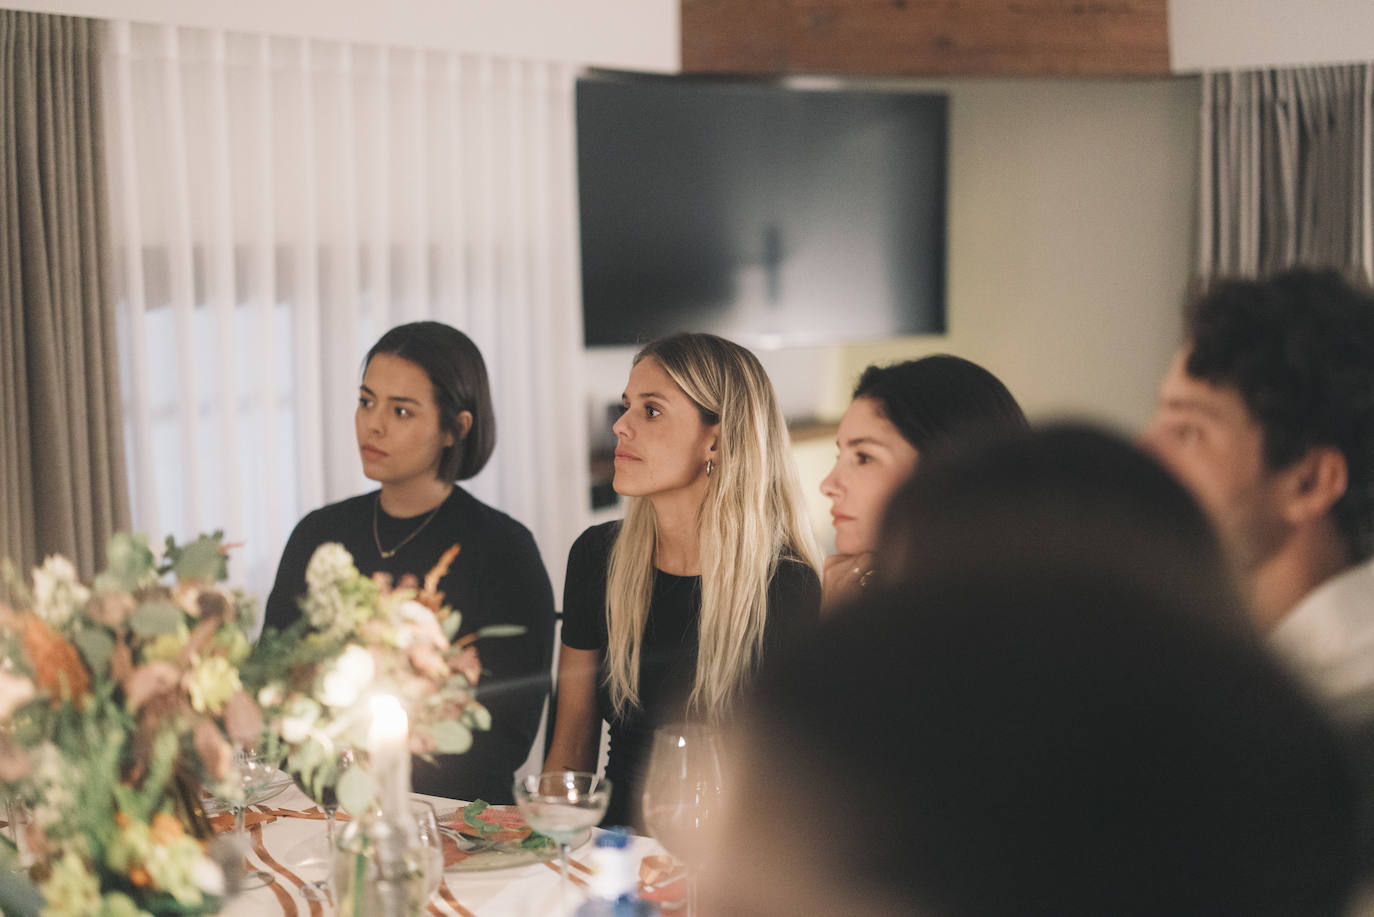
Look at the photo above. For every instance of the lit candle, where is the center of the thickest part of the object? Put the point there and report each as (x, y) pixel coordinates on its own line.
(388, 742)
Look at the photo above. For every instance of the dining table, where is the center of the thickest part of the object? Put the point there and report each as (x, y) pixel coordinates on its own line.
(286, 837)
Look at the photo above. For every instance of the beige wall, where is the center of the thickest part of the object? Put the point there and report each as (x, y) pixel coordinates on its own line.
(1242, 34)
(1071, 228)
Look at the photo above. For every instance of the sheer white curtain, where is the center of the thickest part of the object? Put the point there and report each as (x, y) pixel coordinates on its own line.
(277, 204)
(1286, 172)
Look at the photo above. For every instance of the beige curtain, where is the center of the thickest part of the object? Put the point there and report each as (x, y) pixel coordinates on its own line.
(62, 481)
(1286, 171)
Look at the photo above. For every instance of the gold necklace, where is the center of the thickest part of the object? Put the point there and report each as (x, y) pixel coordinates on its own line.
(376, 539)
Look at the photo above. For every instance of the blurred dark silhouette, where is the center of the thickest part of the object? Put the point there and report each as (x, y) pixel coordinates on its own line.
(1056, 709)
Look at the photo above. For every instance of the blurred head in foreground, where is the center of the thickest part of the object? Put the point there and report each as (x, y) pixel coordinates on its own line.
(1021, 728)
(1062, 497)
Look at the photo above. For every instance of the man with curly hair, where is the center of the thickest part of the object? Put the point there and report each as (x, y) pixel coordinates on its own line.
(1267, 415)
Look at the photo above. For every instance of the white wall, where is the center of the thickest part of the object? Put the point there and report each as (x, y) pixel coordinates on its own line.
(631, 34)
(1071, 235)
(1246, 34)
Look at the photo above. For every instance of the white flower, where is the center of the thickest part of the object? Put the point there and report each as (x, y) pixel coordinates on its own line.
(271, 695)
(208, 877)
(57, 592)
(416, 622)
(350, 675)
(299, 721)
(330, 564)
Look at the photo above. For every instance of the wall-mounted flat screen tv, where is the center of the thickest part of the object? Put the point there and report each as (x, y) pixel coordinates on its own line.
(770, 214)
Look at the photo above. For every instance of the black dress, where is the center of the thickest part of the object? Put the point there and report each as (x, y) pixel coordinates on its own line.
(497, 578)
(668, 654)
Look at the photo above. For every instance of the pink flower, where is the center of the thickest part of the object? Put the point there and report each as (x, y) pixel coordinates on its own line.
(214, 752)
(242, 718)
(15, 763)
(428, 661)
(110, 608)
(468, 664)
(148, 681)
(15, 692)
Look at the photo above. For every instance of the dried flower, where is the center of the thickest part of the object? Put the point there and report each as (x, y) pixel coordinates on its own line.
(58, 669)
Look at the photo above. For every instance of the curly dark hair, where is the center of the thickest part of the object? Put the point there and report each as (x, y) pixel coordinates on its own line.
(1299, 348)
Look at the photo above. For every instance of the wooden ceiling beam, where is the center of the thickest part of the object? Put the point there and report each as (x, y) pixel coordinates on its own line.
(878, 38)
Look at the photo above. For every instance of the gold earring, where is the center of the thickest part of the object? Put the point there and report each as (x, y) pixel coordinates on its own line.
(709, 466)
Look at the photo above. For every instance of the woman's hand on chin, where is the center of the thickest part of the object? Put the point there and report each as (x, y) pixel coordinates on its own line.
(846, 575)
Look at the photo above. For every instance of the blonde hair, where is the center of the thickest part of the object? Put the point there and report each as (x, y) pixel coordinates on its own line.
(751, 519)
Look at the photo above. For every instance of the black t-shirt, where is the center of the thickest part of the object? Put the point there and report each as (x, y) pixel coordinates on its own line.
(668, 653)
(497, 578)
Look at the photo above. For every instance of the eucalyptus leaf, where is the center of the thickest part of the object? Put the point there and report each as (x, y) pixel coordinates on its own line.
(452, 738)
(501, 630)
(18, 896)
(481, 718)
(131, 563)
(152, 619)
(355, 790)
(201, 560)
(450, 626)
(309, 755)
(96, 646)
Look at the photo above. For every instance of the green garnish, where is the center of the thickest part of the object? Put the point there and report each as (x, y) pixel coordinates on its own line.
(533, 841)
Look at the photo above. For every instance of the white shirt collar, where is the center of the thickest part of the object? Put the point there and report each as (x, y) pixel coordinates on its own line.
(1328, 637)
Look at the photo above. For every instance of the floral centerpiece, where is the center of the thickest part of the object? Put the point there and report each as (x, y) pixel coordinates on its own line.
(362, 636)
(117, 701)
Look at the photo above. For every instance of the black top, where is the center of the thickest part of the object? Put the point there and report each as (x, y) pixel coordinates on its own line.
(668, 654)
(497, 578)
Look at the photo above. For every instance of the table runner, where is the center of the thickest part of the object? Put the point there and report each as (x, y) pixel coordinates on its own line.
(278, 830)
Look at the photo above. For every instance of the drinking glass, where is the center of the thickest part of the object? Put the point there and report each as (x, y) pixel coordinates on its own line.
(328, 800)
(431, 844)
(261, 781)
(682, 795)
(561, 804)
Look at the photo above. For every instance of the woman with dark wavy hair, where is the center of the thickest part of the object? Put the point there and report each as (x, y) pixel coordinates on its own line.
(898, 413)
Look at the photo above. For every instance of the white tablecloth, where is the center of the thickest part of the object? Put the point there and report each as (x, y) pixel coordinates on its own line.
(283, 846)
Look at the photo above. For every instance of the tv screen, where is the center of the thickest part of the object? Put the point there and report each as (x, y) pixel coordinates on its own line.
(772, 215)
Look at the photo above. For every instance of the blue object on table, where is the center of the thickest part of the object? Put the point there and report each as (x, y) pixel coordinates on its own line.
(614, 882)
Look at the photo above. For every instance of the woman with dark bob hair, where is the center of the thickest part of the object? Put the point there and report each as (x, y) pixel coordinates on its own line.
(424, 421)
(898, 413)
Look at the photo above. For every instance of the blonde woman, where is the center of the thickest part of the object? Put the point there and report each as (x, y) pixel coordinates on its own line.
(668, 613)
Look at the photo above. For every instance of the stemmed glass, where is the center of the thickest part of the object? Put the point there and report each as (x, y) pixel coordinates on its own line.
(328, 800)
(561, 804)
(261, 781)
(431, 843)
(682, 795)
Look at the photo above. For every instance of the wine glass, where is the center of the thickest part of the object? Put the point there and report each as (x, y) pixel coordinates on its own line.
(260, 781)
(325, 795)
(430, 844)
(561, 804)
(682, 795)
